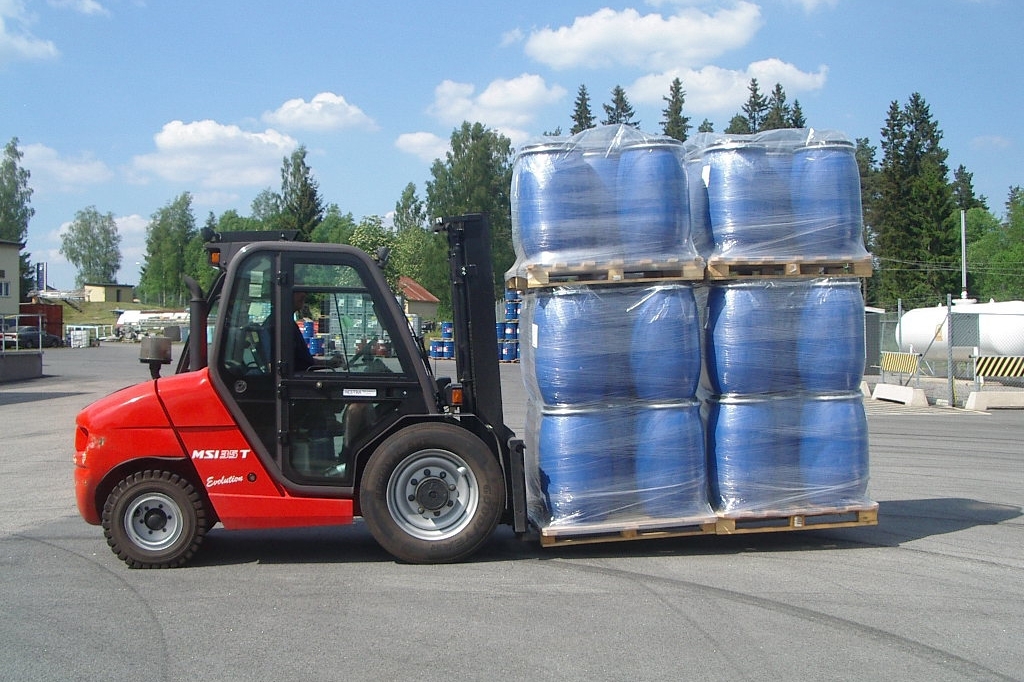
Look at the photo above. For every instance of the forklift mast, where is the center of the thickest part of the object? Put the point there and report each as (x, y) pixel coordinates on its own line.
(476, 338)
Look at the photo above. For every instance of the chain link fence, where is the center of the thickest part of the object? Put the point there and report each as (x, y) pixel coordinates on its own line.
(963, 348)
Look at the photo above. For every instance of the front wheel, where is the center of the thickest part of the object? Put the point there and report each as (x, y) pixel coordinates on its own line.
(432, 493)
(154, 519)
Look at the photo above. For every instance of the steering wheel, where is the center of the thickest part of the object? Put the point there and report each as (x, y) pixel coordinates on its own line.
(364, 354)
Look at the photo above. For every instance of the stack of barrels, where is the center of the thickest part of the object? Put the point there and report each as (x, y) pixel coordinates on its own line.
(671, 400)
(507, 331)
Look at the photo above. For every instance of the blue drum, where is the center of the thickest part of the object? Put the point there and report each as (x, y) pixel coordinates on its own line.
(511, 331)
(700, 218)
(753, 453)
(577, 456)
(834, 450)
(447, 330)
(509, 351)
(827, 199)
(654, 213)
(750, 336)
(448, 349)
(553, 193)
(308, 329)
(499, 330)
(830, 341)
(664, 353)
(671, 480)
(739, 200)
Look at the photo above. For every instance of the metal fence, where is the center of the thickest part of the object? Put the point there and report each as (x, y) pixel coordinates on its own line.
(963, 350)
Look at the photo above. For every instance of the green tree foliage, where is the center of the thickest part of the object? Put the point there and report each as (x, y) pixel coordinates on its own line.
(302, 208)
(755, 107)
(582, 116)
(706, 126)
(409, 210)
(619, 110)
(778, 114)
(167, 237)
(267, 210)
(796, 116)
(475, 176)
(335, 228)
(15, 208)
(739, 125)
(915, 238)
(674, 124)
(93, 245)
(963, 190)
(995, 260)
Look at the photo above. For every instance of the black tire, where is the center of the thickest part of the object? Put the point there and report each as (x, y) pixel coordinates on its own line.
(154, 519)
(432, 493)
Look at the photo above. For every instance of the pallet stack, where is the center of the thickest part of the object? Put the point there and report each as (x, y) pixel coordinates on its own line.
(674, 387)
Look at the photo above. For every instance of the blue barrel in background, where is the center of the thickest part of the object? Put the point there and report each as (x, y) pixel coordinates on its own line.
(753, 453)
(750, 337)
(664, 352)
(447, 330)
(834, 450)
(671, 480)
(436, 348)
(738, 197)
(448, 349)
(827, 199)
(553, 194)
(653, 201)
(511, 331)
(308, 330)
(315, 345)
(830, 338)
(577, 455)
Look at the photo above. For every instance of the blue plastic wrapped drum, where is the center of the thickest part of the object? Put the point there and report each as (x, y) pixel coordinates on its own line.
(834, 450)
(753, 453)
(751, 337)
(830, 342)
(654, 214)
(739, 200)
(671, 480)
(827, 200)
(578, 469)
(553, 191)
(665, 357)
(700, 218)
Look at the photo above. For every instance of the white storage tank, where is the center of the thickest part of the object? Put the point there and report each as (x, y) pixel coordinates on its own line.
(1000, 330)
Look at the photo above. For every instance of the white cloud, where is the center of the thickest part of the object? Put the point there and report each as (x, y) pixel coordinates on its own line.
(425, 146)
(81, 6)
(713, 89)
(51, 172)
(608, 38)
(811, 5)
(991, 142)
(505, 105)
(215, 155)
(16, 42)
(326, 111)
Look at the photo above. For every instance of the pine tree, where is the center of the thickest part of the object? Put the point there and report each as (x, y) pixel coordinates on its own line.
(674, 124)
(619, 111)
(778, 113)
(582, 116)
(706, 126)
(796, 116)
(739, 125)
(755, 107)
(963, 190)
(301, 206)
(15, 211)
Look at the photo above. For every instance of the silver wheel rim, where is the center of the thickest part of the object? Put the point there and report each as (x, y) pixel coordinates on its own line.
(153, 521)
(433, 495)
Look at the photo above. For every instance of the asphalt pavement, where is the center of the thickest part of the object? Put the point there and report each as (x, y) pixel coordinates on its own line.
(934, 592)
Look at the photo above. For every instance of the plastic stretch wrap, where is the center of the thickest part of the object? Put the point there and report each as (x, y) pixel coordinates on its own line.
(790, 194)
(610, 194)
(778, 335)
(787, 453)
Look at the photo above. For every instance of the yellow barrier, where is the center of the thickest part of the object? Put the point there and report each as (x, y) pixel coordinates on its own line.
(901, 363)
(998, 366)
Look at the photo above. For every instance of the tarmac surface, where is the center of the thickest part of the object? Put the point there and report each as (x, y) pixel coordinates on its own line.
(934, 592)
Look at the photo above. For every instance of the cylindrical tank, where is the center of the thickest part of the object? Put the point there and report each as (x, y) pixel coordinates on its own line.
(1000, 330)
(830, 338)
(581, 475)
(671, 479)
(653, 202)
(700, 217)
(753, 452)
(750, 338)
(834, 450)
(826, 199)
(738, 202)
(664, 352)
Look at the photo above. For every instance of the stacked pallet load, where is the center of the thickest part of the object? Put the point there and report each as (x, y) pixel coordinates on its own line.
(508, 330)
(669, 399)
(609, 334)
(784, 332)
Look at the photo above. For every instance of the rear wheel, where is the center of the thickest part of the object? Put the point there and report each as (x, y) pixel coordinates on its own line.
(432, 493)
(154, 519)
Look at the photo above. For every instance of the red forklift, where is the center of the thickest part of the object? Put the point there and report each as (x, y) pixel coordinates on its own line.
(254, 431)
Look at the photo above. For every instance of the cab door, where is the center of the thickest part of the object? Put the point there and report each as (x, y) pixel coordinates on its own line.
(317, 359)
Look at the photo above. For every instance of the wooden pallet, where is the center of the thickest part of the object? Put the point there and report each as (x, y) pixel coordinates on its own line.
(728, 268)
(817, 519)
(611, 272)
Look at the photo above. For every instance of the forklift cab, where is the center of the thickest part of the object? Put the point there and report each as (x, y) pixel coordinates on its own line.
(310, 387)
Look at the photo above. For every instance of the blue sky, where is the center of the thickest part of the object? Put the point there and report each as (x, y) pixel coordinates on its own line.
(124, 104)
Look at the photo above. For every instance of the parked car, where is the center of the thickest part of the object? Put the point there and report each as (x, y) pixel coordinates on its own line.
(30, 337)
